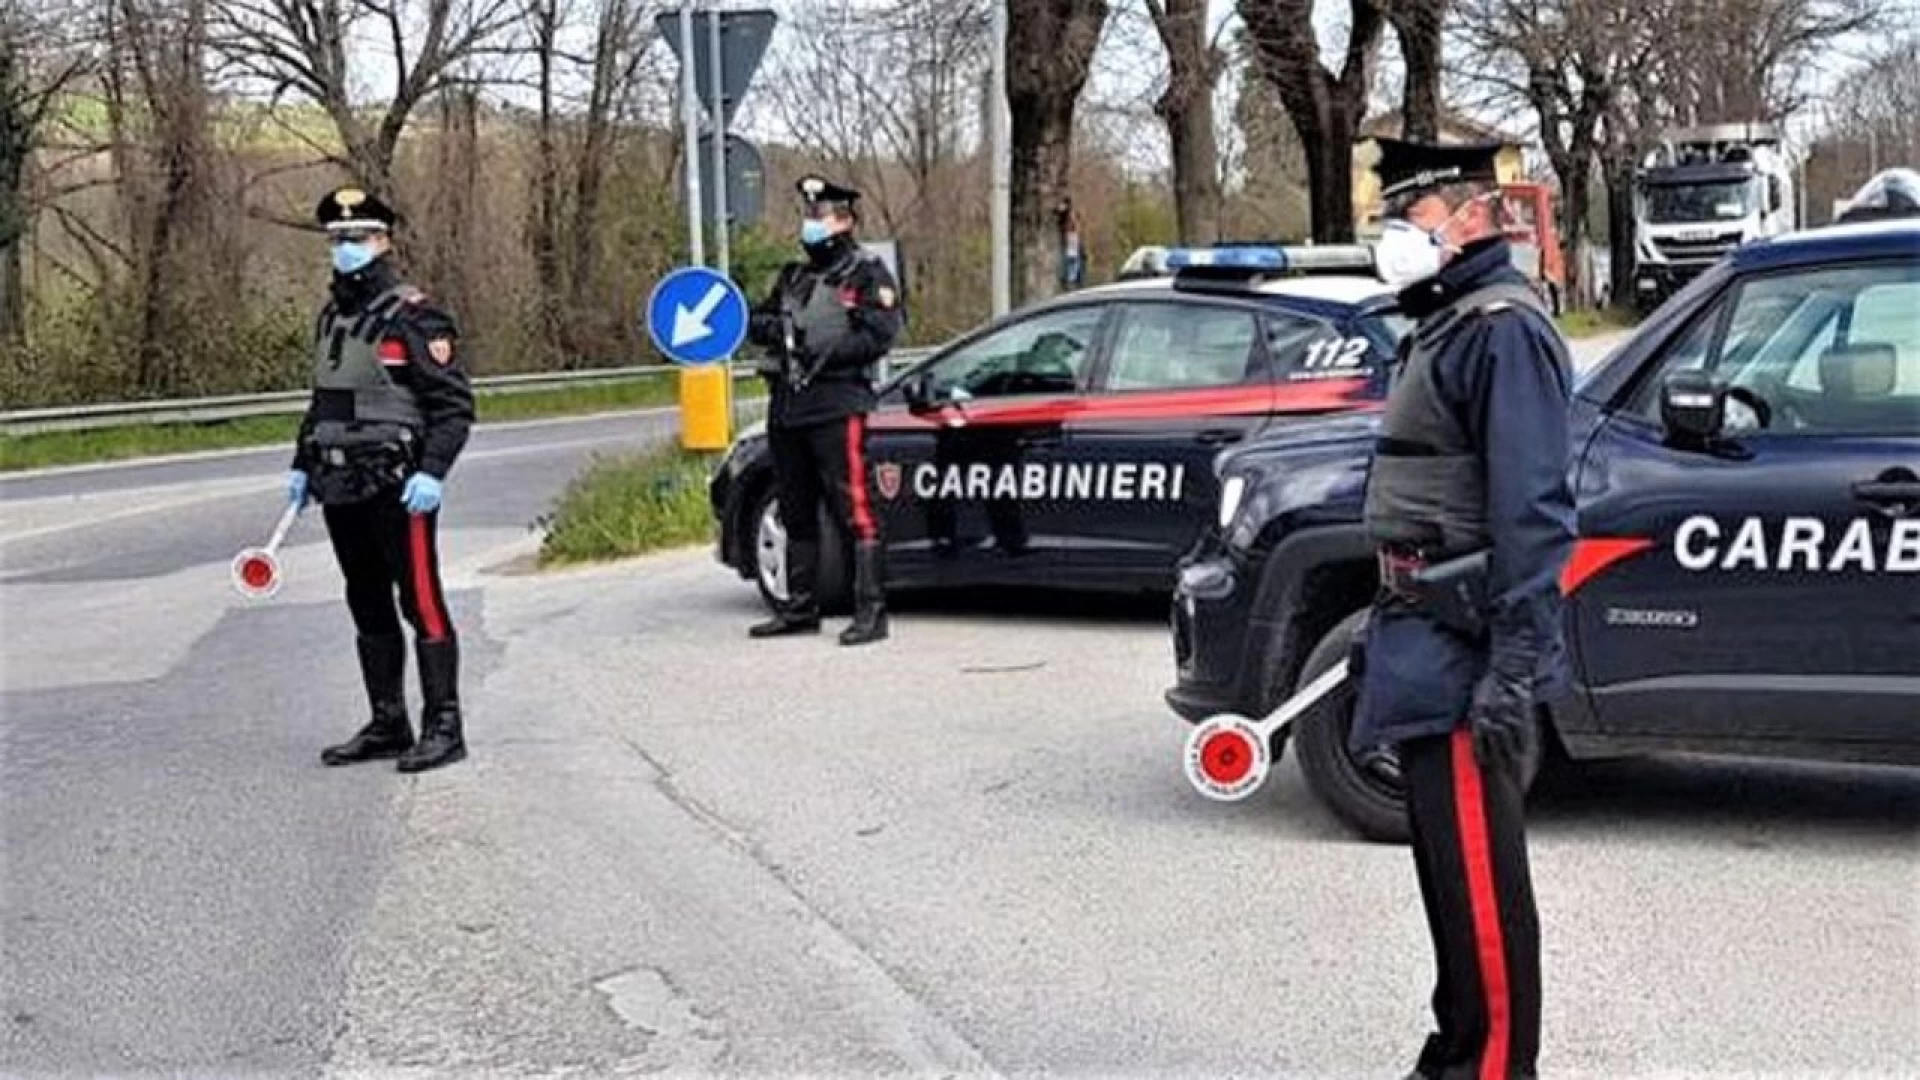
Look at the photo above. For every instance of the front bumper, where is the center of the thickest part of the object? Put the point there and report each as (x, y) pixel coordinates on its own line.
(1213, 630)
(1653, 283)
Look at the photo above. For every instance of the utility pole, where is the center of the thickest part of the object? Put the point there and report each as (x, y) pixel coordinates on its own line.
(1002, 167)
(690, 121)
(720, 223)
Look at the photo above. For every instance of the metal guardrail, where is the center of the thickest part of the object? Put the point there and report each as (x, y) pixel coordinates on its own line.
(235, 406)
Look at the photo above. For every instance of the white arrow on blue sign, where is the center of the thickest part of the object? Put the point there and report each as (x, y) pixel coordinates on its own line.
(697, 316)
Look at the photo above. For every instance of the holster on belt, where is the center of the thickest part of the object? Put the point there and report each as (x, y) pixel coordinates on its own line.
(1451, 592)
(360, 463)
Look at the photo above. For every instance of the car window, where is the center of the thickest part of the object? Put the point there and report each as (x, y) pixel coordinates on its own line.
(1175, 346)
(1830, 351)
(1303, 349)
(1050, 353)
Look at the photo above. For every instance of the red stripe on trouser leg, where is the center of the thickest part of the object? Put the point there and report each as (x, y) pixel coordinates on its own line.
(426, 598)
(857, 479)
(1470, 807)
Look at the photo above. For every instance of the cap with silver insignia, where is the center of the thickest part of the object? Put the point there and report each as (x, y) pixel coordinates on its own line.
(819, 191)
(352, 209)
(1407, 168)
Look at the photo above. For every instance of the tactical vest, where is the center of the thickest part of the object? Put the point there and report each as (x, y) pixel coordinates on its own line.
(346, 365)
(363, 441)
(819, 320)
(1428, 489)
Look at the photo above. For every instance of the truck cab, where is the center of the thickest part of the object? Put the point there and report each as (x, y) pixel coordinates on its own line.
(1703, 193)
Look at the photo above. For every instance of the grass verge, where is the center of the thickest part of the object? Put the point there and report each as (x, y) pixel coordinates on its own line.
(1584, 323)
(47, 449)
(629, 505)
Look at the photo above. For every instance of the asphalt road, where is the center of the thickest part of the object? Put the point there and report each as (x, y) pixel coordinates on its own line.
(969, 850)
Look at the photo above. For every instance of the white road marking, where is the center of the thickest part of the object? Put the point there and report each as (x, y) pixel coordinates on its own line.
(233, 489)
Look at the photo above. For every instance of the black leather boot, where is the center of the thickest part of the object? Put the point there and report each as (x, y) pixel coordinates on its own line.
(383, 667)
(801, 613)
(869, 598)
(441, 742)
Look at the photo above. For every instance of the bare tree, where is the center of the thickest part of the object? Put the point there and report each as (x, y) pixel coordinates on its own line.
(1050, 46)
(619, 47)
(34, 69)
(1567, 60)
(544, 20)
(1326, 107)
(1870, 121)
(1194, 63)
(302, 46)
(157, 104)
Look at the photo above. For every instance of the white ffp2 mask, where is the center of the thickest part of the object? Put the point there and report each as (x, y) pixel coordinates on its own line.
(1407, 253)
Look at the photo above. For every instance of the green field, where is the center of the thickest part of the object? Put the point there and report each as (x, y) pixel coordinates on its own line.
(113, 444)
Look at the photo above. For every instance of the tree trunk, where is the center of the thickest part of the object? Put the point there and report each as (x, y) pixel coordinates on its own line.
(176, 95)
(1042, 160)
(16, 144)
(595, 155)
(1050, 46)
(1417, 24)
(1186, 107)
(1622, 257)
(1330, 178)
(1326, 110)
(545, 234)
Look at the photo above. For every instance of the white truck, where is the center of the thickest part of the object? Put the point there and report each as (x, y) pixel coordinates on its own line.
(1701, 193)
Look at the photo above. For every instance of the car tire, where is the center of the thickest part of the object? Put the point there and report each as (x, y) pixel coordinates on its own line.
(834, 578)
(1361, 795)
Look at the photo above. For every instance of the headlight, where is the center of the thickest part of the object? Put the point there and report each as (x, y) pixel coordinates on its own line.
(1232, 490)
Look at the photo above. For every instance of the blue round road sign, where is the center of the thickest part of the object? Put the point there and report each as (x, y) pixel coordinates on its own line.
(697, 316)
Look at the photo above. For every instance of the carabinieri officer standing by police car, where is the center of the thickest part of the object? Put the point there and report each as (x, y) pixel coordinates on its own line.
(1471, 459)
(826, 326)
(390, 412)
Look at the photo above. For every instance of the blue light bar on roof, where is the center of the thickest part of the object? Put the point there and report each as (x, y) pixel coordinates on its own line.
(1357, 257)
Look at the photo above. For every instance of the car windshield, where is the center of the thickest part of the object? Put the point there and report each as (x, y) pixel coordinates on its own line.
(1699, 202)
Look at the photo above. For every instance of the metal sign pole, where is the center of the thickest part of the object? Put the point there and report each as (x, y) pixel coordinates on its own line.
(720, 225)
(1002, 213)
(690, 120)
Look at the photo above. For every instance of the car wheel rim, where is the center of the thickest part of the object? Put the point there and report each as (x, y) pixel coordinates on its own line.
(770, 548)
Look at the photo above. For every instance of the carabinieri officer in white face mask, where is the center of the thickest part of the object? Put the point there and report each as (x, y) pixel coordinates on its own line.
(1471, 459)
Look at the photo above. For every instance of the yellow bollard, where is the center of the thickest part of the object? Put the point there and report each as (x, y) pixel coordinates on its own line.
(706, 412)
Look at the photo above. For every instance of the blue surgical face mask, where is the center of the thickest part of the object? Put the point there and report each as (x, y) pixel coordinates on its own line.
(814, 231)
(352, 257)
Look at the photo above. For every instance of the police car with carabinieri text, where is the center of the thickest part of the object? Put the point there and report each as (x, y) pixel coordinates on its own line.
(1747, 574)
(1072, 444)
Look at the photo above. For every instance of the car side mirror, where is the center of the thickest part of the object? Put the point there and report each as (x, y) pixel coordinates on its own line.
(918, 393)
(1693, 406)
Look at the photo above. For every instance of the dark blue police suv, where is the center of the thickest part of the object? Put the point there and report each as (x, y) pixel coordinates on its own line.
(1747, 578)
(1071, 444)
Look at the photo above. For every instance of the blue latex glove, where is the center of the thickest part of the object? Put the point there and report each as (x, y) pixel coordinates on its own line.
(422, 494)
(297, 488)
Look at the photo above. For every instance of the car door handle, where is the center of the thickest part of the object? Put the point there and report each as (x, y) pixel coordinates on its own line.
(1219, 436)
(1888, 492)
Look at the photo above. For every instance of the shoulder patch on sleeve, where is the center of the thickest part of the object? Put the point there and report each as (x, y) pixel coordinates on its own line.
(441, 349)
(885, 296)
